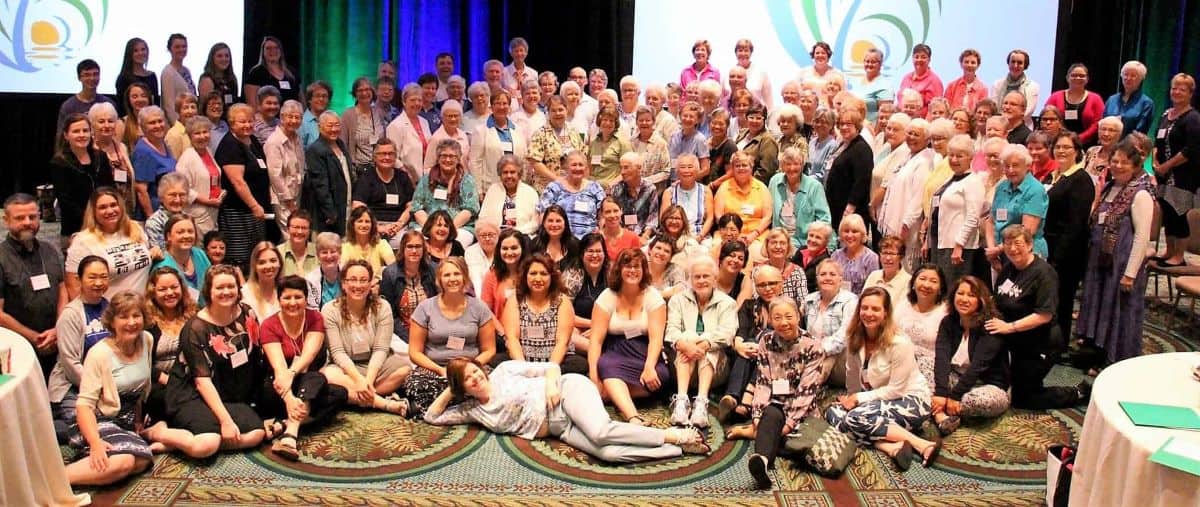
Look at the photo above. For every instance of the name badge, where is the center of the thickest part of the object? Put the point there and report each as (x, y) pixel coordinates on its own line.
(440, 194)
(228, 98)
(1162, 133)
(1002, 214)
(780, 387)
(936, 201)
(1047, 186)
(742, 145)
(456, 343)
(284, 85)
(747, 209)
(787, 213)
(1071, 114)
(42, 282)
(596, 159)
(507, 146)
(120, 176)
(262, 164)
(510, 214)
(631, 220)
(239, 358)
(632, 333)
(1100, 219)
(535, 332)
(392, 199)
(509, 293)
(583, 207)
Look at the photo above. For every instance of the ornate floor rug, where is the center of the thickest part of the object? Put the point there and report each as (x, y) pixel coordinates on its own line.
(377, 459)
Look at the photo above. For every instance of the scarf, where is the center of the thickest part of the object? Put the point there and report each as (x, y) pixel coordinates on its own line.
(1117, 209)
(450, 181)
(1013, 86)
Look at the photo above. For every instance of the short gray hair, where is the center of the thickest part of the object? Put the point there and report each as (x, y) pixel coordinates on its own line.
(328, 114)
(1137, 67)
(147, 112)
(941, 126)
(291, 106)
(172, 179)
(632, 157)
(508, 159)
(900, 119)
(410, 89)
(100, 108)
(710, 86)
(329, 240)
(1019, 151)
(451, 105)
(456, 79)
(195, 123)
(696, 261)
(962, 142)
(479, 88)
(791, 154)
(562, 89)
(790, 111)
(1114, 121)
(821, 227)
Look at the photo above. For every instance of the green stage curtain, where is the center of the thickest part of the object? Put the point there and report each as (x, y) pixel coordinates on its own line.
(340, 41)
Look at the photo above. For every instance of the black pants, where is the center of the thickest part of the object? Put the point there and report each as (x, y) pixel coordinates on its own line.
(325, 400)
(741, 373)
(1070, 275)
(1030, 364)
(769, 437)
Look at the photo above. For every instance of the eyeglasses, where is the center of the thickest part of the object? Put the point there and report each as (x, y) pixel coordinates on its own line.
(770, 283)
(486, 235)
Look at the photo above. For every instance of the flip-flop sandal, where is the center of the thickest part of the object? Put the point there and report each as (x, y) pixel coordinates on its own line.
(904, 457)
(273, 428)
(930, 454)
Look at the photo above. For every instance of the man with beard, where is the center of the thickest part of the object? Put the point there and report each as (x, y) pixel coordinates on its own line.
(31, 279)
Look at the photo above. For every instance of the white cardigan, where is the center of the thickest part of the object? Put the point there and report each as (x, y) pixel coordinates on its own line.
(892, 373)
(486, 153)
(408, 144)
(526, 206)
(192, 167)
(960, 209)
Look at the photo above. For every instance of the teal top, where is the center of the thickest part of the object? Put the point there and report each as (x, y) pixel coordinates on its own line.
(431, 200)
(807, 205)
(200, 265)
(873, 93)
(1011, 204)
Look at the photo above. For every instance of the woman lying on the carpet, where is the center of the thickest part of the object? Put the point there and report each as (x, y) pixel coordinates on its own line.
(888, 396)
(532, 400)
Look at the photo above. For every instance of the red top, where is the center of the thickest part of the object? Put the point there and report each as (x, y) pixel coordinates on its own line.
(628, 239)
(1089, 115)
(272, 332)
(965, 95)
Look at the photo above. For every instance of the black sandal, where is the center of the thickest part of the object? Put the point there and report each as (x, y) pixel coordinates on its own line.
(273, 427)
(930, 453)
(904, 457)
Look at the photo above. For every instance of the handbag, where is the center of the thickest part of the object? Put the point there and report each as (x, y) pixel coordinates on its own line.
(824, 448)
(1060, 464)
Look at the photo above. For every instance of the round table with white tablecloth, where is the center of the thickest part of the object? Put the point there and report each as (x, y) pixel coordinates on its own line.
(31, 467)
(1113, 466)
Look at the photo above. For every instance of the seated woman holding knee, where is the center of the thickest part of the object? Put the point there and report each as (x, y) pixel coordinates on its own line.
(785, 393)
(79, 329)
(889, 398)
(566, 406)
(295, 390)
(358, 325)
(701, 323)
(539, 318)
(625, 357)
(448, 325)
(116, 380)
(211, 392)
(971, 368)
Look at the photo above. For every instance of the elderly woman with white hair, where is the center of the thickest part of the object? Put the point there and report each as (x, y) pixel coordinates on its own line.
(150, 159)
(958, 207)
(823, 144)
(900, 210)
(1134, 107)
(1019, 199)
(701, 323)
(652, 147)
(1097, 158)
(580, 113)
(940, 132)
(285, 162)
(891, 156)
(710, 100)
(203, 175)
(106, 140)
(665, 123)
(828, 312)
(629, 90)
(455, 89)
(797, 199)
(451, 128)
(410, 131)
(172, 196)
(528, 114)
(510, 203)
(480, 100)
(549, 143)
(789, 120)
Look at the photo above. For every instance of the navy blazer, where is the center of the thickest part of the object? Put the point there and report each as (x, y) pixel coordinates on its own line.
(326, 190)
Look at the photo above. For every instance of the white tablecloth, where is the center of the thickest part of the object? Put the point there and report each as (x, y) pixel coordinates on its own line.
(1112, 467)
(31, 468)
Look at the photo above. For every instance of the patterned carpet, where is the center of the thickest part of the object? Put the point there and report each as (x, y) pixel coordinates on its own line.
(376, 459)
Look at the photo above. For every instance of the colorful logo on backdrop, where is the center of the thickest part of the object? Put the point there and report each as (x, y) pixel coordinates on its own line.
(38, 34)
(851, 28)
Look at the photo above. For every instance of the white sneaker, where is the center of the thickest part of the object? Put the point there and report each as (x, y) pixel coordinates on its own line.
(679, 410)
(700, 412)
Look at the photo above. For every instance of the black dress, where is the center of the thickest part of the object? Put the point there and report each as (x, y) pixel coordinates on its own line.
(289, 86)
(242, 230)
(229, 356)
(74, 184)
(849, 181)
(1066, 232)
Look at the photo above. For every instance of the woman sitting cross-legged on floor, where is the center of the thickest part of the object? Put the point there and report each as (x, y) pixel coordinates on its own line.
(889, 397)
(294, 389)
(789, 379)
(532, 400)
(971, 365)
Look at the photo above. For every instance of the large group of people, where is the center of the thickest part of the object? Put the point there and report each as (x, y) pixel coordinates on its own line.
(243, 262)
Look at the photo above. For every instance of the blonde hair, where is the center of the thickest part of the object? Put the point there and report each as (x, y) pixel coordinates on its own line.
(126, 226)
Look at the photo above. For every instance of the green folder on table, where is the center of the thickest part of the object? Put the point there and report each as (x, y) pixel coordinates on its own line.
(1180, 455)
(1161, 416)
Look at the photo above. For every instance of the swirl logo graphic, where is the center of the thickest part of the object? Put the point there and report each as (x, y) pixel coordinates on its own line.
(38, 34)
(852, 28)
